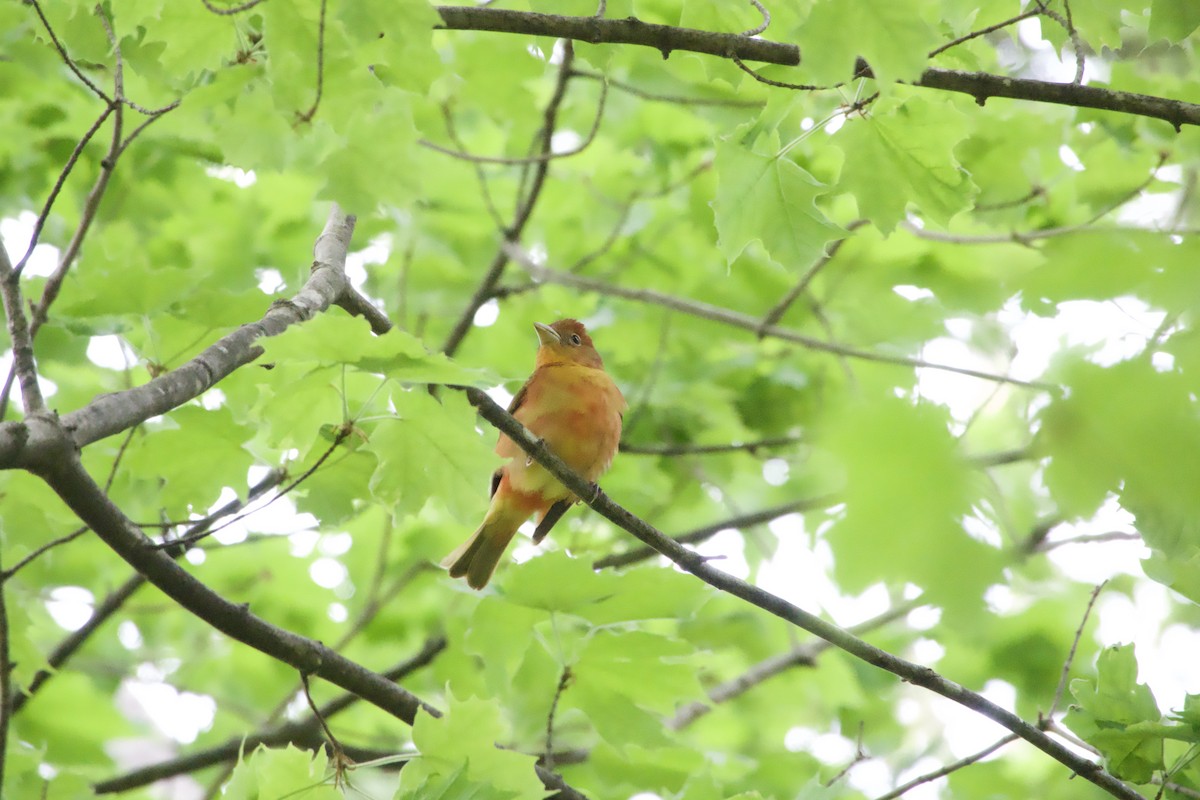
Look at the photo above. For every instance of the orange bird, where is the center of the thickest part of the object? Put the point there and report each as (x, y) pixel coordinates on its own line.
(575, 408)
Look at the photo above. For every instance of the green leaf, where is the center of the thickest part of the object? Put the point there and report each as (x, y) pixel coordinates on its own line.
(1172, 20)
(904, 482)
(464, 741)
(431, 450)
(1127, 428)
(556, 582)
(1108, 709)
(272, 773)
(769, 200)
(902, 151)
(892, 37)
(332, 338)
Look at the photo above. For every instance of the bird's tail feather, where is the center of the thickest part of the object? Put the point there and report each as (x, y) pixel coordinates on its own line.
(478, 556)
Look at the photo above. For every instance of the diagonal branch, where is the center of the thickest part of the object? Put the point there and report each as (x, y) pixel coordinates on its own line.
(802, 655)
(112, 413)
(115, 600)
(695, 564)
(298, 731)
(739, 47)
(487, 286)
(737, 319)
(636, 554)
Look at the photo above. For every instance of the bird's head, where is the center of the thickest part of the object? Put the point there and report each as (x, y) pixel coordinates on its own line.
(566, 342)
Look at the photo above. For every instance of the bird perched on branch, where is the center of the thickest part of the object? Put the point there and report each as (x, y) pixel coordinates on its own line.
(571, 404)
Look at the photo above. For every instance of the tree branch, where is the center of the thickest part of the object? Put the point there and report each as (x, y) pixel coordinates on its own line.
(636, 554)
(487, 286)
(665, 39)
(596, 30)
(709, 449)
(691, 562)
(298, 731)
(737, 319)
(22, 443)
(802, 655)
(115, 600)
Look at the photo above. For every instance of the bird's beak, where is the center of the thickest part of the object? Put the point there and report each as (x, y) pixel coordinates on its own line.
(546, 334)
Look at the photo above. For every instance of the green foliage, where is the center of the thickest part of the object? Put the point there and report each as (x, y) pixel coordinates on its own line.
(1015, 237)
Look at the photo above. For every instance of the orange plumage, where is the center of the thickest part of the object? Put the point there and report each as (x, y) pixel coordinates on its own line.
(575, 408)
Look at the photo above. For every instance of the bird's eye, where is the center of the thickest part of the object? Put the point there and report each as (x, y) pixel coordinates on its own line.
(575, 339)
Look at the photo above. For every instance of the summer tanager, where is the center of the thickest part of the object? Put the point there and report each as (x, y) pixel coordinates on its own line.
(575, 408)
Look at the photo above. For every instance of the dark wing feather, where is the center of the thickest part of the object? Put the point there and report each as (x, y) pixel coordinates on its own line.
(517, 400)
(552, 516)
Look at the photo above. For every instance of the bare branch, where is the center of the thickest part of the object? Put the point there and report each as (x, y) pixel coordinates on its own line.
(629, 30)
(1066, 670)
(946, 770)
(709, 449)
(636, 554)
(112, 413)
(487, 285)
(695, 564)
(115, 600)
(776, 313)
(665, 39)
(6, 670)
(802, 655)
(231, 10)
(736, 319)
(299, 731)
(766, 20)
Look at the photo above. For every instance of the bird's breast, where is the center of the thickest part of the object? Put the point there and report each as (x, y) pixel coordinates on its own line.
(577, 411)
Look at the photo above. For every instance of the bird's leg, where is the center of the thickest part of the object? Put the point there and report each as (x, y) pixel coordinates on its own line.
(541, 446)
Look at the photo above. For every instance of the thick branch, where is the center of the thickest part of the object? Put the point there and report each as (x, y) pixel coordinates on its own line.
(692, 562)
(21, 444)
(665, 38)
(75, 486)
(597, 30)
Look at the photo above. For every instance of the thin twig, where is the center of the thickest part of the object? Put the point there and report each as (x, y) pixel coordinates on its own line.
(232, 9)
(737, 319)
(116, 599)
(701, 534)
(23, 364)
(40, 223)
(307, 116)
(802, 655)
(1046, 545)
(776, 313)
(480, 176)
(1033, 12)
(24, 562)
(766, 20)
(709, 449)
(800, 87)
(62, 52)
(666, 98)
(1066, 669)
(6, 672)
(564, 681)
(525, 205)
(546, 155)
(186, 541)
(946, 770)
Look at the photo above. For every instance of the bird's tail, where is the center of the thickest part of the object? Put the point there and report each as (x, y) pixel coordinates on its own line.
(478, 556)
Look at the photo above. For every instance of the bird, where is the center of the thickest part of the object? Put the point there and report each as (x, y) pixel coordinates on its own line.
(575, 408)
